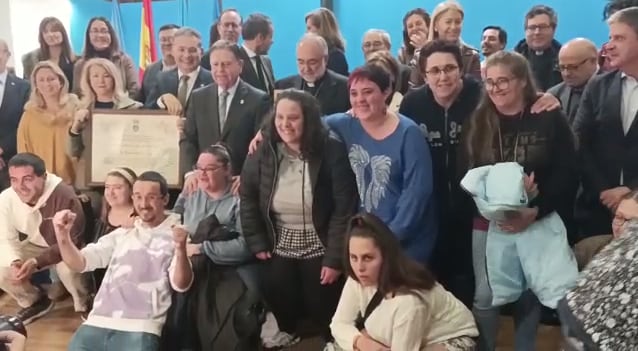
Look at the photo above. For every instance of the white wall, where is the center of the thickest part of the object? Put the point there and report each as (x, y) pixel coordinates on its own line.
(25, 17)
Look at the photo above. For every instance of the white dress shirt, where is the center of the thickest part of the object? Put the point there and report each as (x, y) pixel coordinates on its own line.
(3, 84)
(192, 77)
(231, 94)
(629, 106)
(251, 55)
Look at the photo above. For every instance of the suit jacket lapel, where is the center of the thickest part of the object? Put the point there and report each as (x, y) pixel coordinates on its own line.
(298, 83)
(613, 103)
(235, 110)
(173, 82)
(10, 93)
(200, 81)
(270, 76)
(211, 112)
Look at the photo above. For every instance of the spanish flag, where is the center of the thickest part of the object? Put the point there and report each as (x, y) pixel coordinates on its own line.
(148, 53)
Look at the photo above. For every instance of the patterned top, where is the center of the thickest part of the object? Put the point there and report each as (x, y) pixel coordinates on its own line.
(605, 299)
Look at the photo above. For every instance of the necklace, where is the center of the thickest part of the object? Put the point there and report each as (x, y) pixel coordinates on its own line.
(500, 138)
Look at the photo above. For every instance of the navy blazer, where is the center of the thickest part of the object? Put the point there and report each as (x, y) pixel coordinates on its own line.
(168, 83)
(16, 95)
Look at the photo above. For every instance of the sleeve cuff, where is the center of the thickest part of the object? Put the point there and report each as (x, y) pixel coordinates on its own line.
(160, 103)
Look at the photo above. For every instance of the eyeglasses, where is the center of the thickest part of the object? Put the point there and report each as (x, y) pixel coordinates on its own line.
(373, 44)
(573, 67)
(206, 169)
(538, 27)
(436, 71)
(99, 31)
(501, 83)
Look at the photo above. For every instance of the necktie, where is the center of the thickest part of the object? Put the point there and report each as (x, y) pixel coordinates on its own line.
(223, 103)
(260, 73)
(182, 92)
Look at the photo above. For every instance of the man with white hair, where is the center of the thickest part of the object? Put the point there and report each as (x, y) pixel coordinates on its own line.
(375, 40)
(330, 88)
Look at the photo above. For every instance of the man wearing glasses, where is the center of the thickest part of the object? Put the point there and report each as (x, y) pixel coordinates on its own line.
(577, 61)
(539, 46)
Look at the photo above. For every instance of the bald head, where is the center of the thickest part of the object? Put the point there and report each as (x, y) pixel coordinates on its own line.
(580, 47)
(312, 57)
(578, 61)
(4, 46)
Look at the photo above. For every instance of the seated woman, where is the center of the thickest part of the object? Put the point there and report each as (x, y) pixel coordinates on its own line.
(297, 193)
(214, 197)
(627, 210)
(391, 302)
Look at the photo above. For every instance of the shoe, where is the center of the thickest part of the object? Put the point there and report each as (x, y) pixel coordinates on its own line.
(35, 311)
(330, 346)
(281, 339)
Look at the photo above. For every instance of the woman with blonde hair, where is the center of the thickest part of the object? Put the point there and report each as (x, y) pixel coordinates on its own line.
(323, 22)
(446, 24)
(55, 46)
(102, 88)
(43, 128)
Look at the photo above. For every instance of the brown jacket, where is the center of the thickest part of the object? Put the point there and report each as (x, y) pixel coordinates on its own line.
(122, 61)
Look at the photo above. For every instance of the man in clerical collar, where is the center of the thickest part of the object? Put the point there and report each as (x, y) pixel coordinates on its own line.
(330, 88)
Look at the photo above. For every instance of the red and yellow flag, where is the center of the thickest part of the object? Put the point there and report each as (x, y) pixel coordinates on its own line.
(148, 53)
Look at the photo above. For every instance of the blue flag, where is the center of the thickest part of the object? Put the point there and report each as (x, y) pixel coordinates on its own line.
(116, 21)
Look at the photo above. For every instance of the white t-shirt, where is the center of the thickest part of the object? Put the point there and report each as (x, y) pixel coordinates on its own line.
(407, 322)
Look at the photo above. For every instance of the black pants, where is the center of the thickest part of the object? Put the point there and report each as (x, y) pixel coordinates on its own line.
(293, 286)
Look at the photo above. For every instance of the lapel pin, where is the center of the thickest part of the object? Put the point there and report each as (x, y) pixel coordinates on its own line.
(241, 102)
(13, 83)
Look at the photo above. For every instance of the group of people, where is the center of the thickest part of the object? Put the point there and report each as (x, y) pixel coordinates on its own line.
(381, 204)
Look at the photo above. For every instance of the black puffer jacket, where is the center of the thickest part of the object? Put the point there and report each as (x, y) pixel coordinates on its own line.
(334, 197)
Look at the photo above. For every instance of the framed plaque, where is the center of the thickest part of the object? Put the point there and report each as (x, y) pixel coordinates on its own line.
(142, 140)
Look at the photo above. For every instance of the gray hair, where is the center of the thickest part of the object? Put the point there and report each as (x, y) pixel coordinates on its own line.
(315, 39)
(628, 16)
(384, 34)
(187, 32)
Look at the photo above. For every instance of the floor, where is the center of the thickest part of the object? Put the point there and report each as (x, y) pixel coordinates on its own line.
(53, 332)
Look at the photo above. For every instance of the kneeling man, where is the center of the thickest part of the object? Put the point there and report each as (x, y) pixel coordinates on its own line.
(27, 240)
(144, 264)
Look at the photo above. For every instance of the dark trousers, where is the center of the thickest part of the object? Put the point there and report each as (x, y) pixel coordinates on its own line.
(293, 286)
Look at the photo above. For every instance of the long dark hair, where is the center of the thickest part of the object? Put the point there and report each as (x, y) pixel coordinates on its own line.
(409, 48)
(56, 24)
(89, 50)
(314, 133)
(398, 273)
(483, 125)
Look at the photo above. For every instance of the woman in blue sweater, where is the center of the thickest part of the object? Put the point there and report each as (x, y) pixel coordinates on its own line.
(391, 161)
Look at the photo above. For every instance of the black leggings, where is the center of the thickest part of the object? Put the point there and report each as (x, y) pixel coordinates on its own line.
(294, 285)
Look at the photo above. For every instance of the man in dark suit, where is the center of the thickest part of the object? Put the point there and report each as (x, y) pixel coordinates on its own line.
(607, 129)
(577, 61)
(14, 94)
(228, 111)
(331, 89)
(257, 32)
(173, 88)
(166, 63)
